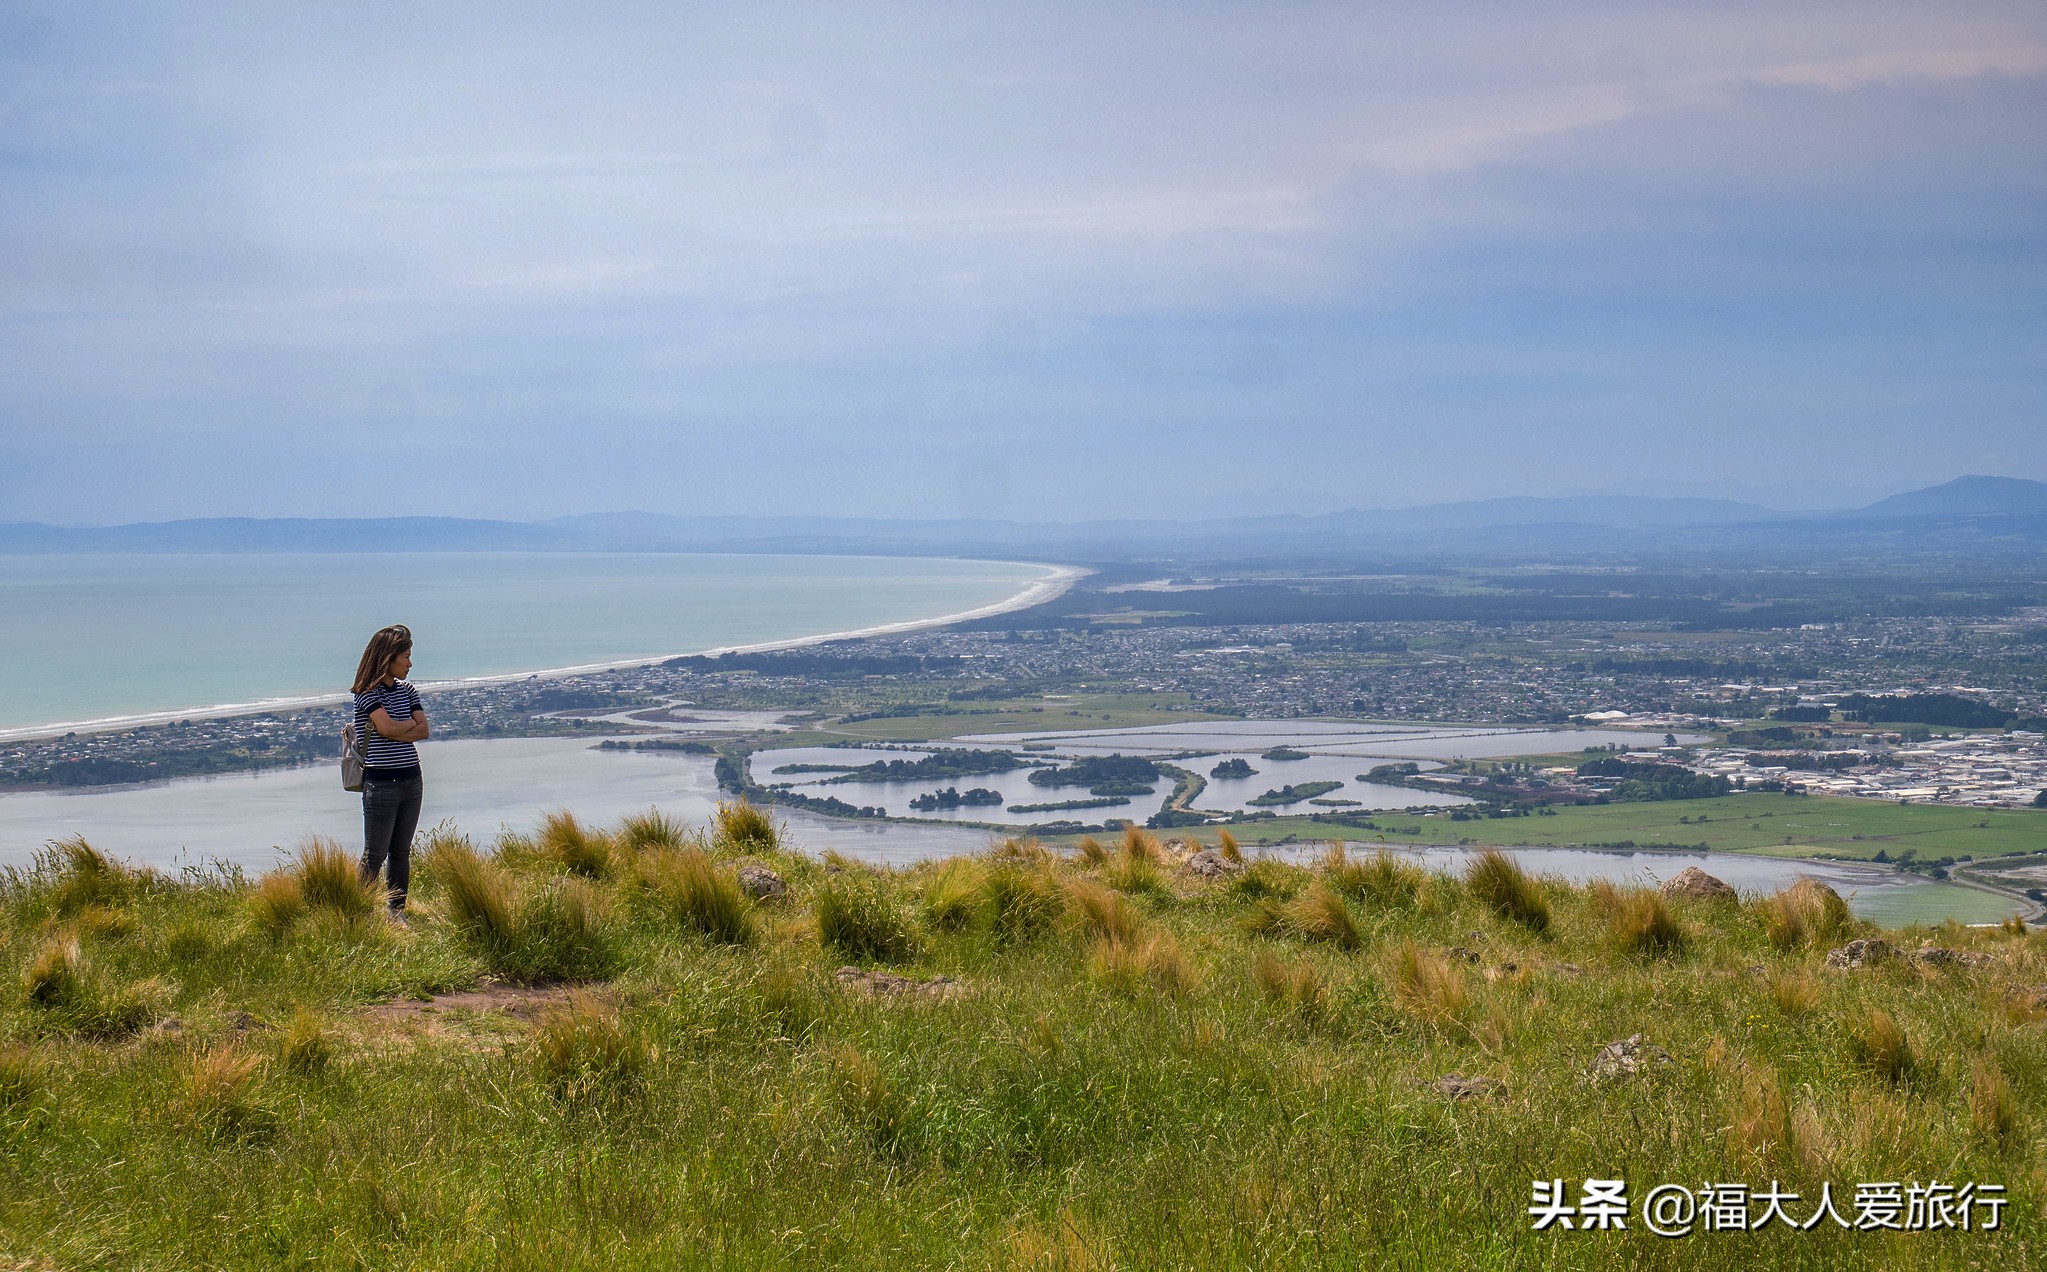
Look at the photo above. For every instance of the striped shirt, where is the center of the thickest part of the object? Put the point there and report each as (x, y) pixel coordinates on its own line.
(380, 754)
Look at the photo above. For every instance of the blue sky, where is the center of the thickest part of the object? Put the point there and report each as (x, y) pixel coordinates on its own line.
(1042, 261)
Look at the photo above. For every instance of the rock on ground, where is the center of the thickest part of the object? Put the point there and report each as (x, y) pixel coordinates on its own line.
(1459, 1087)
(1867, 952)
(761, 883)
(889, 985)
(1210, 864)
(1630, 1057)
(1936, 956)
(1697, 885)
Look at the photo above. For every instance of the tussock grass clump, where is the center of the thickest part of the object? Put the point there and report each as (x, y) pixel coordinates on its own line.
(1760, 1127)
(689, 889)
(1156, 963)
(1993, 1109)
(1428, 987)
(870, 1100)
(1100, 913)
(790, 997)
(87, 877)
(562, 931)
(55, 977)
(861, 919)
(1383, 878)
(1022, 903)
(1226, 844)
(584, 1052)
(1296, 987)
(652, 829)
(305, 1045)
(1637, 920)
(22, 1075)
(1138, 865)
(743, 828)
(220, 1097)
(1500, 882)
(1093, 853)
(1263, 879)
(570, 846)
(1878, 1043)
(276, 904)
(1794, 993)
(1806, 914)
(1021, 848)
(1318, 914)
(331, 880)
(953, 898)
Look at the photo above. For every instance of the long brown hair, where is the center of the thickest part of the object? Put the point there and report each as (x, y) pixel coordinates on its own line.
(380, 653)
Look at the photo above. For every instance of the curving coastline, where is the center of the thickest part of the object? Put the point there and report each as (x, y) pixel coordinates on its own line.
(1054, 585)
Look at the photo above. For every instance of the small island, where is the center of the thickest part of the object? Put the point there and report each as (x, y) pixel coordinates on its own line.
(1235, 767)
(1284, 753)
(1103, 775)
(1293, 794)
(978, 797)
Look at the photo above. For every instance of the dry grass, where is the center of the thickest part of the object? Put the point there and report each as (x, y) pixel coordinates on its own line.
(953, 897)
(570, 846)
(1321, 914)
(331, 880)
(560, 931)
(870, 1099)
(88, 877)
(23, 1075)
(1878, 1043)
(860, 918)
(476, 895)
(1496, 879)
(1226, 844)
(276, 903)
(1431, 990)
(689, 889)
(305, 1045)
(1384, 878)
(1099, 913)
(1296, 987)
(652, 829)
(1138, 865)
(1157, 963)
(583, 1052)
(1022, 902)
(1806, 914)
(220, 1097)
(1759, 1129)
(1637, 920)
(1993, 1109)
(1794, 993)
(1092, 852)
(55, 977)
(742, 828)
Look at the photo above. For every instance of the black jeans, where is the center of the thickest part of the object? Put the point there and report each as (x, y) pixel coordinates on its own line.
(390, 813)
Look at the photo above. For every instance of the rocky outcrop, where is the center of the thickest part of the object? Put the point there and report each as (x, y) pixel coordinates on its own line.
(1935, 956)
(1694, 884)
(1210, 864)
(889, 985)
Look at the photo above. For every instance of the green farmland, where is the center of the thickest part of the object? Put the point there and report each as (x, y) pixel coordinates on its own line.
(1797, 826)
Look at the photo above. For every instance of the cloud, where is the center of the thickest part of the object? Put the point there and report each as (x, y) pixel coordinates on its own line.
(595, 245)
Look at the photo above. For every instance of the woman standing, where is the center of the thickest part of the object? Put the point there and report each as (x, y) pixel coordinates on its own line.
(388, 720)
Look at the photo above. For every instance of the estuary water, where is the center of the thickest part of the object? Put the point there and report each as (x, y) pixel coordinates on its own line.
(87, 638)
(484, 787)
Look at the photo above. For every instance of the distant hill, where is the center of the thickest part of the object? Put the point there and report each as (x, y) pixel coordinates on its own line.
(2001, 513)
(1967, 497)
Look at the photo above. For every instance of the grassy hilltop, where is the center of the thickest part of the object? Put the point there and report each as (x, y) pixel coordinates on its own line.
(599, 1049)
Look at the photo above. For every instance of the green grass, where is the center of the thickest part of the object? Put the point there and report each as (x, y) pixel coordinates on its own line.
(1774, 824)
(1128, 1078)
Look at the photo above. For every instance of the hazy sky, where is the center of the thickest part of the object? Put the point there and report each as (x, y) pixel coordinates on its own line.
(1044, 261)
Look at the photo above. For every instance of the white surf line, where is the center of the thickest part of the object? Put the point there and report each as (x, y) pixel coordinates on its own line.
(1050, 588)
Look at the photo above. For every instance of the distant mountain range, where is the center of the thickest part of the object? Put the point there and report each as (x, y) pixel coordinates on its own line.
(2003, 509)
